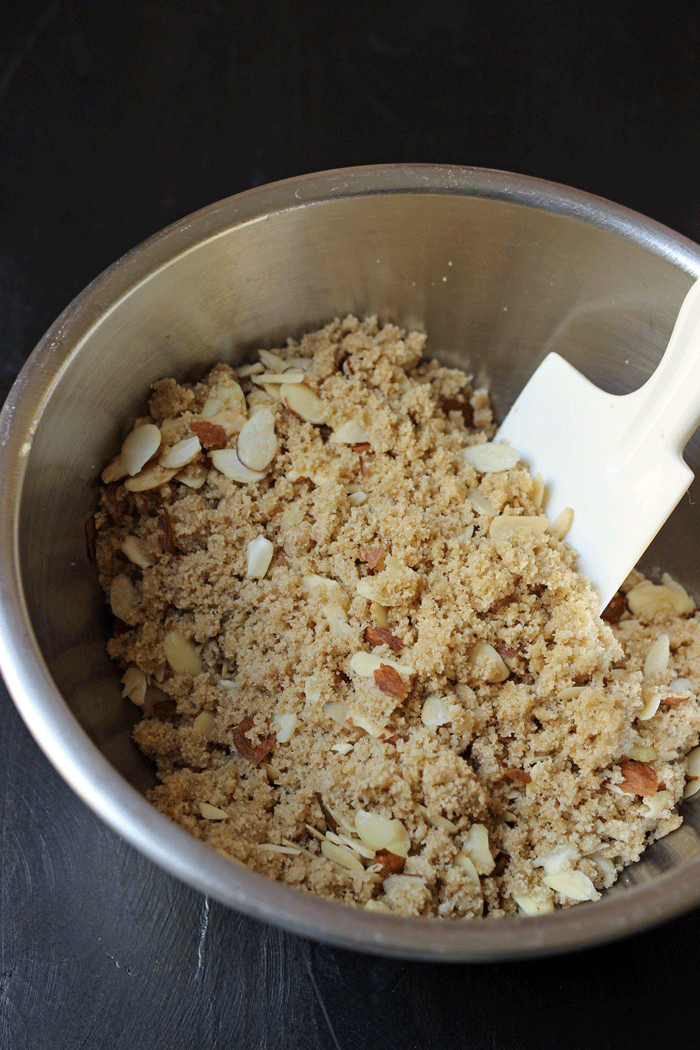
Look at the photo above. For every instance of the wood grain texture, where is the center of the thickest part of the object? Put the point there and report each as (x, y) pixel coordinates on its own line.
(117, 119)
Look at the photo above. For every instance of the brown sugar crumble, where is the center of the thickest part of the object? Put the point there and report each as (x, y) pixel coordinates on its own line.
(365, 665)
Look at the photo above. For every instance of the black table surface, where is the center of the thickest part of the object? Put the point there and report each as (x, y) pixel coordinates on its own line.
(119, 118)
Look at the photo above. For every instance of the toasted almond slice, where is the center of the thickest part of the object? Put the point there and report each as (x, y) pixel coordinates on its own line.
(482, 656)
(572, 884)
(380, 615)
(205, 723)
(290, 375)
(379, 906)
(571, 693)
(530, 904)
(365, 664)
(561, 524)
(134, 551)
(657, 658)
(357, 498)
(381, 832)
(464, 861)
(340, 854)
(538, 491)
(134, 682)
(303, 402)
(193, 475)
(338, 711)
(273, 362)
(257, 441)
(284, 725)
(476, 846)
(481, 504)
(351, 433)
(210, 812)
(651, 706)
(314, 586)
(227, 462)
(491, 456)
(225, 396)
(640, 753)
(681, 685)
(245, 371)
(259, 555)
(151, 477)
(648, 600)
(515, 526)
(293, 516)
(114, 471)
(343, 747)
(374, 729)
(230, 421)
(139, 446)
(658, 803)
(181, 654)
(692, 772)
(180, 454)
(123, 600)
(434, 712)
(560, 858)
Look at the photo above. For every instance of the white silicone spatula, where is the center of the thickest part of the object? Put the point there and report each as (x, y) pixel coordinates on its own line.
(616, 460)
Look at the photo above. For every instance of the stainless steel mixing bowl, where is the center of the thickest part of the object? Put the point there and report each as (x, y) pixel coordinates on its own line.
(499, 269)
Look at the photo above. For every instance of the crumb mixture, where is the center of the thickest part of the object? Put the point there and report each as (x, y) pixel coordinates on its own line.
(366, 664)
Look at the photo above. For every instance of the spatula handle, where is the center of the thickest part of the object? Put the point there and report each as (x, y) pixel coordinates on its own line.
(666, 409)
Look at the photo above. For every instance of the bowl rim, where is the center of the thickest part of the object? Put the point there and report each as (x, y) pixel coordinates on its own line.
(82, 764)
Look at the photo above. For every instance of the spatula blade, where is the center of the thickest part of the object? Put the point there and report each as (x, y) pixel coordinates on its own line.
(578, 438)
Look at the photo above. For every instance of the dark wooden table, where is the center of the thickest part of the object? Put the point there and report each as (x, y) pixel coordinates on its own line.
(118, 118)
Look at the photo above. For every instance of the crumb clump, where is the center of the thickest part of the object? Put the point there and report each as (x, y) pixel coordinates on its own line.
(354, 677)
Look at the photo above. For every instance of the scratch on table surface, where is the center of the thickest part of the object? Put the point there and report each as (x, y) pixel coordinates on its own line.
(203, 927)
(317, 993)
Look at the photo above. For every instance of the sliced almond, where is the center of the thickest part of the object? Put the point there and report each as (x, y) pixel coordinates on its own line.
(365, 664)
(640, 753)
(193, 475)
(259, 556)
(481, 504)
(491, 456)
(531, 904)
(338, 711)
(210, 812)
(351, 433)
(227, 462)
(343, 747)
(273, 362)
(357, 498)
(648, 600)
(340, 854)
(561, 524)
(290, 375)
(134, 682)
(434, 712)
(692, 772)
(658, 803)
(464, 861)
(538, 491)
(257, 441)
(151, 477)
(133, 549)
(638, 778)
(114, 471)
(205, 723)
(476, 846)
(560, 858)
(246, 371)
(181, 654)
(225, 396)
(516, 526)
(374, 729)
(381, 832)
(284, 725)
(484, 659)
(123, 600)
(380, 615)
(657, 658)
(314, 586)
(139, 446)
(572, 884)
(180, 454)
(303, 402)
